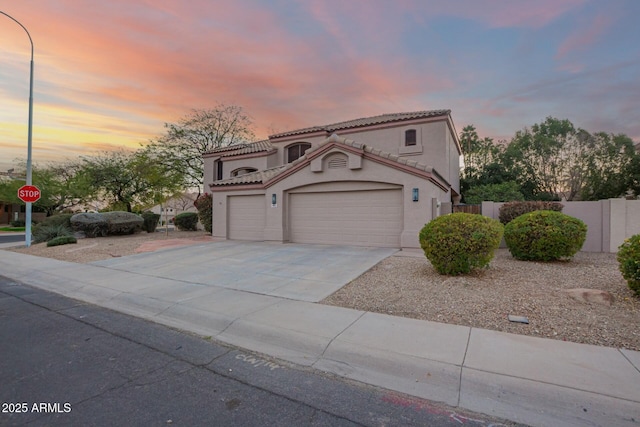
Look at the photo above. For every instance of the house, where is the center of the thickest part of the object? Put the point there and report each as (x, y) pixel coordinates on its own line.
(174, 206)
(367, 182)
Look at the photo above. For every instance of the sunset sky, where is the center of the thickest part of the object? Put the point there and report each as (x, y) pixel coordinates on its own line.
(109, 74)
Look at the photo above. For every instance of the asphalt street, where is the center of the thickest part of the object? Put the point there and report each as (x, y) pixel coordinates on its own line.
(63, 362)
(10, 238)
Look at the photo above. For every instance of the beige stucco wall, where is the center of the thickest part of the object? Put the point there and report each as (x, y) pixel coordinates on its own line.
(229, 165)
(232, 164)
(281, 145)
(435, 146)
(208, 173)
(371, 175)
(609, 222)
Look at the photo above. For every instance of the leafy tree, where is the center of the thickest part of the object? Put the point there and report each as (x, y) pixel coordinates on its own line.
(632, 174)
(536, 156)
(125, 179)
(60, 185)
(184, 143)
(504, 192)
(481, 161)
(550, 160)
(610, 167)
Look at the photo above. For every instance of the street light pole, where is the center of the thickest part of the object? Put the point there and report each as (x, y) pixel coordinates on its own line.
(27, 235)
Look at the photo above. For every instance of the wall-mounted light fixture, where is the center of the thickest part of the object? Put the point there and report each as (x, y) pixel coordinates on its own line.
(415, 195)
(274, 200)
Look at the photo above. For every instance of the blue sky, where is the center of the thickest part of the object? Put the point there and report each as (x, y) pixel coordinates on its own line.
(109, 74)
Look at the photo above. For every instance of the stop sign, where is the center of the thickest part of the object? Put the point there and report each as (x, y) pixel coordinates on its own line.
(28, 193)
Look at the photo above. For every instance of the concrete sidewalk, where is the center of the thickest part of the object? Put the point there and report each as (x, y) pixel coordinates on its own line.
(529, 380)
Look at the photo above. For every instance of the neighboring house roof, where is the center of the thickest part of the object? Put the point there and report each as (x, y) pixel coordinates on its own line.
(263, 176)
(367, 121)
(243, 148)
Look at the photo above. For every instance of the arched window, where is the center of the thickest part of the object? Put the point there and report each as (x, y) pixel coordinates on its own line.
(296, 151)
(410, 137)
(242, 171)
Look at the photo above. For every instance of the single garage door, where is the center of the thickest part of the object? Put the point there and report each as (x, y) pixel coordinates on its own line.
(246, 217)
(359, 218)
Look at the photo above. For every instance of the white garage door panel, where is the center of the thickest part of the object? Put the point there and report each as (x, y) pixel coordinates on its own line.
(361, 218)
(246, 217)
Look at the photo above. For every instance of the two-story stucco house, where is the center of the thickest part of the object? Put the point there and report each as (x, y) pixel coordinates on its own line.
(367, 182)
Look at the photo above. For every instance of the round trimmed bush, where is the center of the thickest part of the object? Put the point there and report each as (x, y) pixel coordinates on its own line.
(511, 210)
(458, 243)
(187, 221)
(150, 221)
(629, 262)
(92, 224)
(544, 236)
(121, 223)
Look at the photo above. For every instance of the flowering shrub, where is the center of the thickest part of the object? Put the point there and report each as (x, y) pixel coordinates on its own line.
(204, 204)
(629, 262)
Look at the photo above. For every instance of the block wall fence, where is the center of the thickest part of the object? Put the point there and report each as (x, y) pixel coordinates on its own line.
(609, 221)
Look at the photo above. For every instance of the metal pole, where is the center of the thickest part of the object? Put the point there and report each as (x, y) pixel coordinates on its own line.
(27, 235)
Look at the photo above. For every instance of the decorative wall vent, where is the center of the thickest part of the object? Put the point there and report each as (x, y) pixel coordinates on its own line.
(338, 161)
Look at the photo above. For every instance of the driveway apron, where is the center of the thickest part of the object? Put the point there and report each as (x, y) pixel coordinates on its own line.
(292, 271)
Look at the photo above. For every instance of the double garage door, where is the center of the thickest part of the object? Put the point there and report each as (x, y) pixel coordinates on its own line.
(359, 218)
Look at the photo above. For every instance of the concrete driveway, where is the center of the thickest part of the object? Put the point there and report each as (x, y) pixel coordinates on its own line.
(293, 271)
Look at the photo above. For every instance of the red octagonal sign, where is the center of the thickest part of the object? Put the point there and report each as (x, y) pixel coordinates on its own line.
(28, 193)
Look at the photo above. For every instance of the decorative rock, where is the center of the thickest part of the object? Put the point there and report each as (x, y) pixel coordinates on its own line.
(120, 222)
(518, 319)
(595, 296)
(91, 224)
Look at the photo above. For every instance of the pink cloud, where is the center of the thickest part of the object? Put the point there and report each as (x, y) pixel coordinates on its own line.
(495, 13)
(585, 36)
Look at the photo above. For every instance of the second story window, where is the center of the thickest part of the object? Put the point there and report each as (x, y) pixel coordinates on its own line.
(296, 151)
(242, 171)
(410, 137)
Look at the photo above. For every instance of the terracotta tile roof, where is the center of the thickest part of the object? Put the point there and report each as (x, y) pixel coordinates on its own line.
(243, 148)
(267, 174)
(367, 121)
(252, 177)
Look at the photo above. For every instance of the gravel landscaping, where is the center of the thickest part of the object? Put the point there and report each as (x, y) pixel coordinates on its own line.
(408, 286)
(99, 248)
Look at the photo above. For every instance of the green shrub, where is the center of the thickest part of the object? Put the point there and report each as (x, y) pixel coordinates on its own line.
(510, 211)
(45, 233)
(121, 222)
(204, 204)
(503, 192)
(544, 236)
(629, 262)
(17, 223)
(64, 219)
(61, 240)
(150, 221)
(187, 221)
(460, 242)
